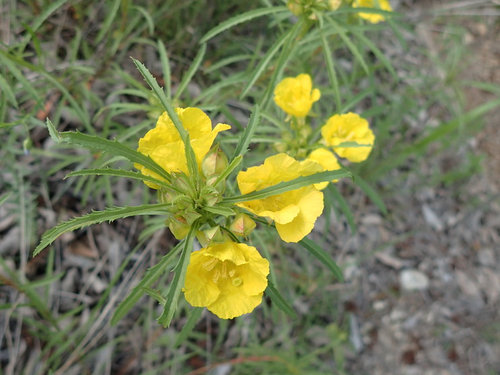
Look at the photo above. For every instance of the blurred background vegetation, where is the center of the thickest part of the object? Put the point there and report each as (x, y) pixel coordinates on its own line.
(428, 82)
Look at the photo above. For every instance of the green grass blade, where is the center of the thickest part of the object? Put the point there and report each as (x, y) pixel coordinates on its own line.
(352, 47)
(177, 283)
(294, 184)
(187, 328)
(279, 301)
(332, 75)
(4, 198)
(246, 136)
(7, 91)
(118, 173)
(96, 217)
(165, 65)
(371, 193)
(41, 18)
(377, 52)
(323, 257)
(344, 207)
(115, 148)
(186, 78)
(108, 21)
(150, 277)
(245, 17)
(264, 62)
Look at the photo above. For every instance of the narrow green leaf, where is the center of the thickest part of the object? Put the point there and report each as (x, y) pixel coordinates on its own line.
(377, 52)
(165, 65)
(264, 62)
(119, 173)
(4, 197)
(114, 148)
(96, 217)
(32, 294)
(155, 294)
(177, 283)
(351, 145)
(40, 19)
(108, 21)
(54, 134)
(227, 61)
(286, 52)
(7, 90)
(332, 76)
(246, 136)
(344, 207)
(323, 257)
(150, 277)
(229, 169)
(370, 192)
(186, 78)
(220, 210)
(147, 17)
(283, 187)
(151, 81)
(279, 301)
(244, 17)
(343, 35)
(6, 61)
(187, 328)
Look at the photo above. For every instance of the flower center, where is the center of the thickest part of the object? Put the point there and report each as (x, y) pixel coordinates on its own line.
(223, 272)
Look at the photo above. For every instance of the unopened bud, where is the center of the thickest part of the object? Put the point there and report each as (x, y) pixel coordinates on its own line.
(242, 225)
(214, 163)
(179, 227)
(207, 236)
(334, 4)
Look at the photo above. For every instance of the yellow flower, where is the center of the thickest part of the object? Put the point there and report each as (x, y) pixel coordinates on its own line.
(293, 212)
(327, 160)
(349, 127)
(164, 144)
(227, 278)
(378, 4)
(295, 96)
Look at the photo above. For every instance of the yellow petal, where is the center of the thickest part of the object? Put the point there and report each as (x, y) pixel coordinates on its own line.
(286, 209)
(378, 4)
(311, 207)
(233, 303)
(228, 278)
(295, 95)
(199, 288)
(164, 145)
(327, 160)
(349, 127)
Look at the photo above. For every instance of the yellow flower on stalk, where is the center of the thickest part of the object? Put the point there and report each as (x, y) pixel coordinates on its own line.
(227, 278)
(349, 127)
(293, 212)
(377, 4)
(327, 160)
(164, 144)
(296, 96)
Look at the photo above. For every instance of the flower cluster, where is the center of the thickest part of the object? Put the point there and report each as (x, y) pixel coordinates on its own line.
(347, 135)
(308, 8)
(227, 276)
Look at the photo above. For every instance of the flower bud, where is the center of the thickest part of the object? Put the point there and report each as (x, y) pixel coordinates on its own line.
(214, 163)
(242, 225)
(210, 235)
(178, 227)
